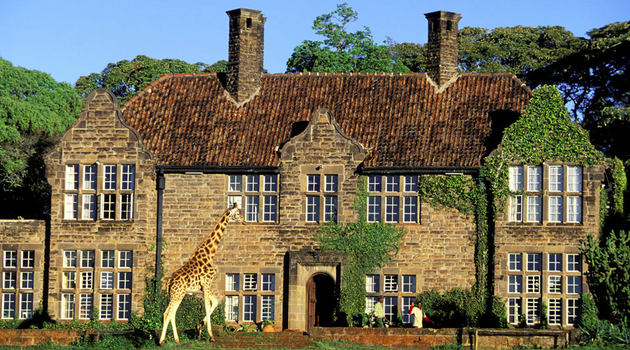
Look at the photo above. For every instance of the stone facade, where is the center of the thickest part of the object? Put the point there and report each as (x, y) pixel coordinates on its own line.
(23, 252)
(102, 213)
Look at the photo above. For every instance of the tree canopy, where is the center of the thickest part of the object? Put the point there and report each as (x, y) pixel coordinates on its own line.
(126, 78)
(342, 51)
(34, 110)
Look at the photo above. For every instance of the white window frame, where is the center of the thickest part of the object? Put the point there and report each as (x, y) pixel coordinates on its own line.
(26, 306)
(556, 178)
(71, 206)
(235, 183)
(554, 311)
(106, 306)
(250, 282)
(574, 262)
(28, 259)
(68, 303)
(125, 259)
(87, 280)
(312, 209)
(69, 280)
(534, 260)
(516, 177)
(515, 284)
(232, 282)
(88, 207)
(126, 206)
(9, 280)
(390, 283)
(516, 208)
(331, 183)
(10, 259)
(123, 306)
(534, 209)
(533, 284)
(410, 209)
(515, 305)
(90, 173)
(574, 209)
(372, 283)
(553, 264)
(108, 258)
(27, 280)
(312, 183)
(267, 307)
(573, 310)
(231, 308)
(9, 306)
(86, 305)
(554, 284)
(252, 205)
(72, 177)
(249, 303)
(270, 209)
(534, 178)
(392, 209)
(125, 279)
(392, 183)
(374, 204)
(556, 209)
(107, 280)
(574, 284)
(268, 282)
(515, 262)
(252, 183)
(411, 184)
(110, 177)
(70, 258)
(574, 178)
(533, 311)
(127, 177)
(270, 183)
(409, 284)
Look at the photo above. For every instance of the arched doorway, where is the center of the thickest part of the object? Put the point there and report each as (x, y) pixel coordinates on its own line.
(320, 301)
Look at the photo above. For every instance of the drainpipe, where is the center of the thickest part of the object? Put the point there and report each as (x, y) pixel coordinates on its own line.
(161, 184)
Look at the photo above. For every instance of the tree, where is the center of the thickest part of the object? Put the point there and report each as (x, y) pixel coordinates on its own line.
(341, 51)
(594, 77)
(126, 78)
(608, 274)
(34, 110)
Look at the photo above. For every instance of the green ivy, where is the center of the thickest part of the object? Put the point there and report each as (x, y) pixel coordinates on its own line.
(544, 132)
(367, 245)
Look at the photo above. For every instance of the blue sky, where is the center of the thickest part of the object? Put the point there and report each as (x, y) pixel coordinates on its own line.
(71, 38)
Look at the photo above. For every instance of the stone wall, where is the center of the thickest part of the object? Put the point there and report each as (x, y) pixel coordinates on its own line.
(32, 337)
(100, 137)
(20, 236)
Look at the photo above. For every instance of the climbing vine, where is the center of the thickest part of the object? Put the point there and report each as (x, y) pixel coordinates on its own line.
(368, 246)
(543, 133)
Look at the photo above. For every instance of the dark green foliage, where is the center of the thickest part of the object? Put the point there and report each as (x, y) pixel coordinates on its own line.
(368, 246)
(34, 110)
(341, 51)
(127, 78)
(455, 308)
(609, 274)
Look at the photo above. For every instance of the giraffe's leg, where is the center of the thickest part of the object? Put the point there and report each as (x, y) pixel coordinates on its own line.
(210, 303)
(169, 317)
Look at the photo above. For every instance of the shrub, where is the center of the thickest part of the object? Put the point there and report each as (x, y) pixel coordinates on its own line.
(456, 308)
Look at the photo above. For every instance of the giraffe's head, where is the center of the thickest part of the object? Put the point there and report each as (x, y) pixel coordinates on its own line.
(235, 214)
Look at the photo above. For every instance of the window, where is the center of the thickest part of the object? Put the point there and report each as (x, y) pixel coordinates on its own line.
(89, 177)
(514, 310)
(554, 311)
(574, 284)
(26, 306)
(10, 258)
(268, 282)
(562, 203)
(372, 283)
(516, 177)
(125, 259)
(28, 258)
(112, 201)
(231, 308)
(124, 280)
(406, 305)
(9, 280)
(533, 209)
(534, 262)
(555, 284)
(67, 306)
(533, 284)
(573, 311)
(316, 195)
(72, 177)
(249, 308)
(516, 208)
(106, 307)
(533, 311)
(393, 201)
(258, 193)
(574, 209)
(249, 282)
(369, 304)
(107, 280)
(515, 262)
(574, 262)
(85, 305)
(107, 258)
(391, 307)
(555, 262)
(8, 305)
(534, 178)
(103, 277)
(515, 284)
(124, 306)
(27, 280)
(267, 307)
(409, 284)
(555, 178)
(391, 283)
(555, 209)
(231, 282)
(574, 179)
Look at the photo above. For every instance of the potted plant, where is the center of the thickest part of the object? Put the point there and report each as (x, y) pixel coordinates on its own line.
(267, 326)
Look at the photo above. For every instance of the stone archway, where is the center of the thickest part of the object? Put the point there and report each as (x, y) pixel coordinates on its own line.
(320, 301)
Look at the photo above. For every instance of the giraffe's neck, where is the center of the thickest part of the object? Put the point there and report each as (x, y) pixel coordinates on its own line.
(214, 237)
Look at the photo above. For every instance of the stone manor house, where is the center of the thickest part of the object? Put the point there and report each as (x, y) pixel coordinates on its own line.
(155, 174)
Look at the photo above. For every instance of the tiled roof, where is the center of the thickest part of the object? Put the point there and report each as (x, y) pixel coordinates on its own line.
(187, 120)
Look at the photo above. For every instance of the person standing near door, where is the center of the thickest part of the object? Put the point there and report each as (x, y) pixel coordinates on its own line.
(379, 312)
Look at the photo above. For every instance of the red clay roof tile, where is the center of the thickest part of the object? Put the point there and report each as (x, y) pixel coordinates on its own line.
(188, 120)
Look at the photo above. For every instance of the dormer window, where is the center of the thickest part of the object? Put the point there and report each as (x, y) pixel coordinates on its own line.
(317, 194)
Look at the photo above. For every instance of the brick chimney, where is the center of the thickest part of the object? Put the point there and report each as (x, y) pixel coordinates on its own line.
(442, 46)
(245, 62)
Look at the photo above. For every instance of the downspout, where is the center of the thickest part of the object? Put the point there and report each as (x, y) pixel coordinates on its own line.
(161, 184)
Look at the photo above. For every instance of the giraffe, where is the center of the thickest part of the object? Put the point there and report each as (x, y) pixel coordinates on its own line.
(197, 274)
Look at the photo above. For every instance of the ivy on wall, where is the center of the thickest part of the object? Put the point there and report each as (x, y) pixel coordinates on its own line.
(368, 246)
